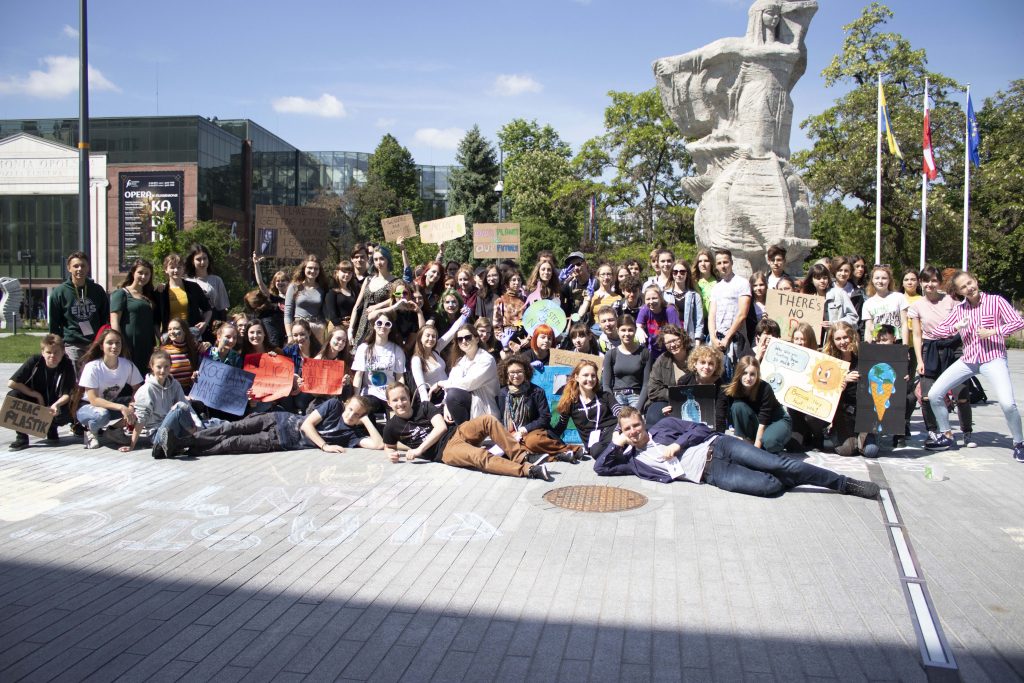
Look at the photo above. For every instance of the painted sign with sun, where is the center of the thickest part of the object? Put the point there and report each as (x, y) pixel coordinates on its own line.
(804, 380)
(882, 389)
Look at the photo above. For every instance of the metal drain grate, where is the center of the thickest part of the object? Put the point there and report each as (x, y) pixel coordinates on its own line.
(595, 498)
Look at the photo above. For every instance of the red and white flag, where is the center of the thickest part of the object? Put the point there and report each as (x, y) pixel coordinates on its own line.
(928, 168)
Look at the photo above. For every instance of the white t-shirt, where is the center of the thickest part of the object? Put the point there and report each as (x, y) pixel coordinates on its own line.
(109, 383)
(726, 296)
(884, 311)
(385, 363)
(688, 464)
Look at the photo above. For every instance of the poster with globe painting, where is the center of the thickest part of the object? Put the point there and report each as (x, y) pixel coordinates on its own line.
(882, 389)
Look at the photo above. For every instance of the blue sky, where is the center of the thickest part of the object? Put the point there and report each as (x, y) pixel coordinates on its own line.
(338, 75)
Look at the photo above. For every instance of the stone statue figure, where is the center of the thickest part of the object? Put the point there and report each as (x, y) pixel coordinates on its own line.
(733, 95)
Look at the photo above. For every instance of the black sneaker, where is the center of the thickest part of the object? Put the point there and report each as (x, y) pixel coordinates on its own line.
(52, 438)
(539, 472)
(941, 442)
(1018, 451)
(170, 444)
(864, 489)
(571, 456)
(537, 458)
(20, 442)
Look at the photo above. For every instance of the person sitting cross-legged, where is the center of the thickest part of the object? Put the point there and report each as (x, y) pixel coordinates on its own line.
(425, 434)
(334, 426)
(676, 449)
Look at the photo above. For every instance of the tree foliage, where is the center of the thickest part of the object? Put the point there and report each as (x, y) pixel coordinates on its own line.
(223, 248)
(840, 167)
(392, 188)
(645, 156)
(471, 189)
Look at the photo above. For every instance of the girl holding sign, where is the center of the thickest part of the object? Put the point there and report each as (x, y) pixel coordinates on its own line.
(756, 414)
(837, 302)
(591, 408)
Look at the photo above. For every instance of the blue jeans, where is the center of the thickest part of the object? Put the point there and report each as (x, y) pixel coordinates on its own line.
(178, 421)
(627, 399)
(94, 418)
(739, 466)
(997, 373)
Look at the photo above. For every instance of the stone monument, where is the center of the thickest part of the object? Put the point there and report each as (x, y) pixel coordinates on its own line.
(733, 95)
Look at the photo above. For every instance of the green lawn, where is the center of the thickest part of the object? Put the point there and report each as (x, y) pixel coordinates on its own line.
(18, 347)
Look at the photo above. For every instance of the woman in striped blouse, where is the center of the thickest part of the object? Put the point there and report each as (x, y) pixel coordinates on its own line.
(983, 322)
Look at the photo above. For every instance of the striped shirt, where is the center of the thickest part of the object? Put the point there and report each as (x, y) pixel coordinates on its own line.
(993, 312)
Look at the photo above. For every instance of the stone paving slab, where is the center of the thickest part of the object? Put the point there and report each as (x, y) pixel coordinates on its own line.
(306, 566)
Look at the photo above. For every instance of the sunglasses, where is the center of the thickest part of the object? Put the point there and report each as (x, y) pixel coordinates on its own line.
(678, 271)
(464, 338)
(383, 323)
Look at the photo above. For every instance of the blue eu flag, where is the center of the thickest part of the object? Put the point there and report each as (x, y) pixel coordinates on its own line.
(973, 137)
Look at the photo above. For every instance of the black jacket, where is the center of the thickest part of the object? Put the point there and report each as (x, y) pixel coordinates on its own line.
(198, 304)
(538, 413)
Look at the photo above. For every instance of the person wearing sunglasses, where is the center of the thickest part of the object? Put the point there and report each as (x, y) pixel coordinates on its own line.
(377, 362)
(472, 382)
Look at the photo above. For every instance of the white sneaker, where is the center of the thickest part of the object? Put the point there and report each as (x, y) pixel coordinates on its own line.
(90, 440)
(969, 441)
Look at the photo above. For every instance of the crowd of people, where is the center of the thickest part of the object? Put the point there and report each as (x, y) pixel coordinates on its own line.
(439, 366)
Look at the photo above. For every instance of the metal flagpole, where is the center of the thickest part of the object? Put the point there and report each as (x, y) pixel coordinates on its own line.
(967, 173)
(878, 177)
(84, 227)
(924, 187)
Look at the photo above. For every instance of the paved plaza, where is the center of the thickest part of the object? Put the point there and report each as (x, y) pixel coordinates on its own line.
(307, 566)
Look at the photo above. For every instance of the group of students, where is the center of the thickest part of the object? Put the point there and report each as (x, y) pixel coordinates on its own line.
(439, 365)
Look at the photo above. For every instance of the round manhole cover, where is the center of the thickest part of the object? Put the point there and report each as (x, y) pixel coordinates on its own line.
(595, 498)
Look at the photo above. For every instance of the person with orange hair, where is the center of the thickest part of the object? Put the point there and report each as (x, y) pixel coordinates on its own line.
(541, 342)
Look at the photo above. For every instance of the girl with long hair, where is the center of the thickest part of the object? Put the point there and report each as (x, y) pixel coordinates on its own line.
(910, 288)
(687, 299)
(466, 286)
(255, 340)
(223, 351)
(543, 283)
(426, 365)
(581, 340)
(341, 298)
(305, 297)
(183, 299)
(983, 321)
(378, 361)
(431, 281)
(485, 333)
(589, 406)
(758, 297)
(199, 269)
(756, 413)
(508, 309)
(803, 335)
(884, 307)
(303, 344)
(838, 305)
(472, 380)
(524, 411)
(488, 293)
(605, 294)
(842, 344)
(107, 383)
(704, 276)
(184, 353)
(374, 297)
(706, 365)
(133, 312)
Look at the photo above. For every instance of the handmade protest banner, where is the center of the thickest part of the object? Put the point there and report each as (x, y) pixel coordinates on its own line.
(324, 377)
(442, 230)
(804, 380)
(398, 226)
(789, 309)
(882, 389)
(274, 376)
(25, 416)
(569, 359)
(544, 312)
(551, 379)
(222, 387)
(694, 403)
(496, 240)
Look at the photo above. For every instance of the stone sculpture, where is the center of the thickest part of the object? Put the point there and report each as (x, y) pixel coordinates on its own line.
(733, 94)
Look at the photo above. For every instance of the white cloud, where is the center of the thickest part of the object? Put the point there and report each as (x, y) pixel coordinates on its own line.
(385, 122)
(510, 85)
(59, 79)
(70, 31)
(446, 138)
(327, 106)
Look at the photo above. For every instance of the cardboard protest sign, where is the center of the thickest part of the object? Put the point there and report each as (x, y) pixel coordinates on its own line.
(694, 403)
(882, 389)
(804, 380)
(789, 309)
(552, 380)
(442, 230)
(544, 312)
(323, 377)
(496, 240)
(398, 226)
(222, 387)
(569, 359)
(25, 416)
(273, 375)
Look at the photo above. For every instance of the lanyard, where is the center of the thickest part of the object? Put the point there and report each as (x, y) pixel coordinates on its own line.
(597, 411)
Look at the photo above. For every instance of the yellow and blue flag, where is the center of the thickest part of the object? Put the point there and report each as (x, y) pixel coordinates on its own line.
(893, 147)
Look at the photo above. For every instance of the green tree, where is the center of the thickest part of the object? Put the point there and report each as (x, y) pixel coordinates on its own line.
(171, 239)
(997, 195)
(840, 167)
(635, 167)
(471, 189)
(392, 188)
